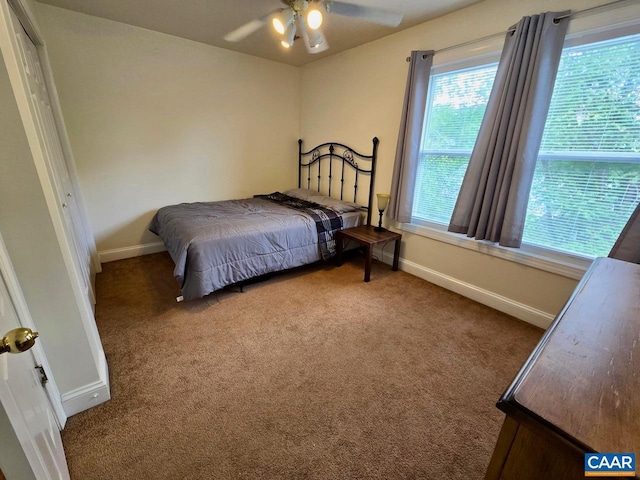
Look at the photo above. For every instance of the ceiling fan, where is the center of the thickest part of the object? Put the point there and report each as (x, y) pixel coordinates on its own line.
(303, 18)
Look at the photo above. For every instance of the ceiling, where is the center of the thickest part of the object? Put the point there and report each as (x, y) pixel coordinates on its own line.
(207, 21)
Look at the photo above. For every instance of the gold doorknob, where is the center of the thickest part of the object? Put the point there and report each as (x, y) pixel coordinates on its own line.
(18, 340)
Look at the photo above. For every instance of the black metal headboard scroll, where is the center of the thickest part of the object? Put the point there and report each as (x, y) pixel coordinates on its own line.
(321, 163)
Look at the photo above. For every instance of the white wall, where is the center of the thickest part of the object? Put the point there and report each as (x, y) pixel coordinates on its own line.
(155, 120)
(359, 93)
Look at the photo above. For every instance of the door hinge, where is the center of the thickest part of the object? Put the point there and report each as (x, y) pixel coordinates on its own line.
(43, 375)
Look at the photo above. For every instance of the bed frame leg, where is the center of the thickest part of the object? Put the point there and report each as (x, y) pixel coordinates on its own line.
(179, 299)
(241, 288)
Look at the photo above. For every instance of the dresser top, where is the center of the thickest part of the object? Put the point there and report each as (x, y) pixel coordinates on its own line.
(583, 379)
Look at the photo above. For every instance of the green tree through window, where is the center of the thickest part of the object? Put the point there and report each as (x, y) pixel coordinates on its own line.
(587, 178)
(457, 101)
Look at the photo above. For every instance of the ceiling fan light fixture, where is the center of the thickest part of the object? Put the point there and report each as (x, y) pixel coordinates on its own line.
(290, 36)
(306, 16)
(315, 41)
(321, 47)
(281, 21)
(314, 17)
(315, 38)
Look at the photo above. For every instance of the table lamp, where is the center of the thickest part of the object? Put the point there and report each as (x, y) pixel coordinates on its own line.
(383, 201)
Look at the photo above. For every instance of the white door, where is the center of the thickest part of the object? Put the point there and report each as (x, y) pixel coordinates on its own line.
(50, 139)
(25, 402)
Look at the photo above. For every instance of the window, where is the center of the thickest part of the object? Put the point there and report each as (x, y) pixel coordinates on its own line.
(587, 178)
(455, 107)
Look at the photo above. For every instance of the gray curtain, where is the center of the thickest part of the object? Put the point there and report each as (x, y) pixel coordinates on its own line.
(408, 149)
(492, 202)
(627, 247)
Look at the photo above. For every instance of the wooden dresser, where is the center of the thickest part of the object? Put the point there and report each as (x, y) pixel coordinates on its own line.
(579, 391)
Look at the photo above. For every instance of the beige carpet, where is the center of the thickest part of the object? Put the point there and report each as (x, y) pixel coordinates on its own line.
(312, 374)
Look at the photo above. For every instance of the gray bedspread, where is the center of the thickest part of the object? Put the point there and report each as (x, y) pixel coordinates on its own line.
(215, 244)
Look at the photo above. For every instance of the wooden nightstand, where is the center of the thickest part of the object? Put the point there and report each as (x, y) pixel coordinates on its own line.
(366, 236)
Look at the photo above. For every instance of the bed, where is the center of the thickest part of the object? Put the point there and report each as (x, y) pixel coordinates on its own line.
(217, 244)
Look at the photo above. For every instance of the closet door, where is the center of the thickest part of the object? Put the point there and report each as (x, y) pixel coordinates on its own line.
(50, 140)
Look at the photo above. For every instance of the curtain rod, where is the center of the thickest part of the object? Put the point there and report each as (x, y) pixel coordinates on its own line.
(577, 13)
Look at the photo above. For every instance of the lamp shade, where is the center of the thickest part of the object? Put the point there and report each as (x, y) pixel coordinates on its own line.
(315, 38)
(289, 36)
(282, 20)
(315, 41)
(383, 201)
(314, 17)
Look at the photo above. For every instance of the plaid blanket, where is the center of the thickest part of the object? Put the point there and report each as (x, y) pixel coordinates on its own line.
(327, 221)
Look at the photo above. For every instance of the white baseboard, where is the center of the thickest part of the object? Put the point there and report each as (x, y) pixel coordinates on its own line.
(503, 304)
(89, 395)
(130, 252)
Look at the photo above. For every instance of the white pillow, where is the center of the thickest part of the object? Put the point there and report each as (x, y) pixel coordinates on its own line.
(302, 193)
(338, 206)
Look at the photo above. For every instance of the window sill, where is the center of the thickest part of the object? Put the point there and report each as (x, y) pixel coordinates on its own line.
(559, 263)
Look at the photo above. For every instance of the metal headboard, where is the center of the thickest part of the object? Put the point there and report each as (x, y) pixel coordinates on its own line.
(325, 155)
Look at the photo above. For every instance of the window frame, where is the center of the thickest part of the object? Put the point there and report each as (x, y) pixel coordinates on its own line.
(610, 25)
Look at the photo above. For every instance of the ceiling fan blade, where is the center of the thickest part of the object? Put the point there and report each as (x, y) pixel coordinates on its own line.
(371, 14)
(244, 31)
(247, 29)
